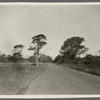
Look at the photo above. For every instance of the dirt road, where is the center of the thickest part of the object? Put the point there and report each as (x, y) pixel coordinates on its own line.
(63, 80)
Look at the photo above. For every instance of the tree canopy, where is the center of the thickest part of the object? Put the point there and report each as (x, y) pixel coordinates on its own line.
(73, 47)
(38, 42)
(16, 53)
(18, 48)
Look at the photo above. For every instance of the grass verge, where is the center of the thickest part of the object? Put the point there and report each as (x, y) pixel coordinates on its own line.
(15, 78)
(85, 68)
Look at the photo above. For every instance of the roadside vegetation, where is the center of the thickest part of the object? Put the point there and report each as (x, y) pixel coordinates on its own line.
(71, 53)
(38, 42)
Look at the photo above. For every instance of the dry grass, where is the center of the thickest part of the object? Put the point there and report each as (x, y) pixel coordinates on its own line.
(15, 78)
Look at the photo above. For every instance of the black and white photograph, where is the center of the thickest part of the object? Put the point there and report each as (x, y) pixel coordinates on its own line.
(50, 49)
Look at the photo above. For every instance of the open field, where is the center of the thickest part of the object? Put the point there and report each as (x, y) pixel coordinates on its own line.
(15, 78)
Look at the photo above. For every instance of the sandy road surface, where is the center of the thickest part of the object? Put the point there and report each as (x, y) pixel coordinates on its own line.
(63, 80)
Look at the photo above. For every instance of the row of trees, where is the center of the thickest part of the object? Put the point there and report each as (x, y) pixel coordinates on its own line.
(42, 58)
(38, 42)
(71, 52)
(16, 55)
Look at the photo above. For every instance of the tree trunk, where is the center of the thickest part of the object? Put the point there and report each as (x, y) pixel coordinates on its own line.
(37, 62)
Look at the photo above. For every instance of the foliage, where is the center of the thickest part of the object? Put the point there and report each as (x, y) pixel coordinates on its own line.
(17, 54)
(70, 53)
(38, 42)
(91, 61)
(45, 58)
(89, 64)
(32, 59)
(18, 48)
(72, 48)
(58, 59)
(15, 57)
(3, 58)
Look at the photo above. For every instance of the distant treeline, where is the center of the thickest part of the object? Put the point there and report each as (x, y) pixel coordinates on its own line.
(38, 42)
(70, 53)
(18, 58)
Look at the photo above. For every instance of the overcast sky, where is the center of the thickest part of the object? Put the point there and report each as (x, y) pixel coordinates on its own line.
(19, 23)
